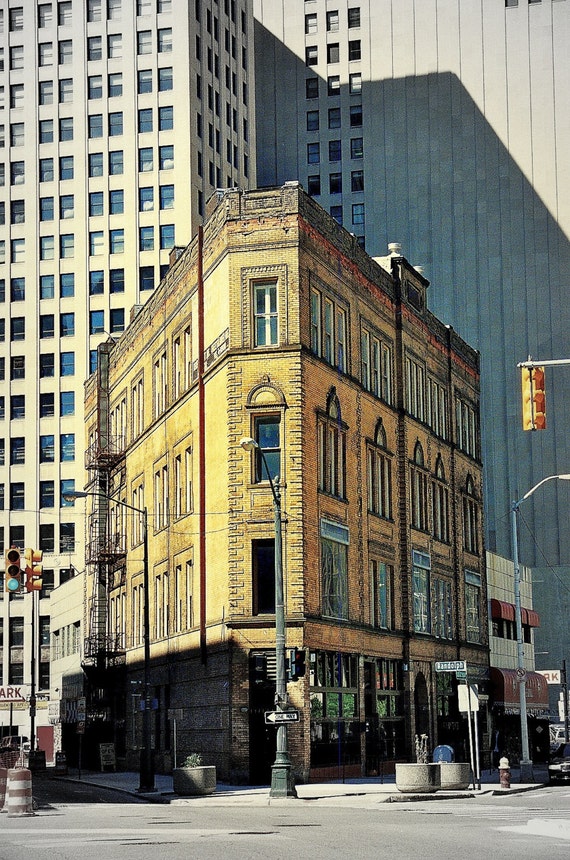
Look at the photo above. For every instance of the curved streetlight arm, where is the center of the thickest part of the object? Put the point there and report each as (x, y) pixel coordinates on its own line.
(516, 505)
(526, 762)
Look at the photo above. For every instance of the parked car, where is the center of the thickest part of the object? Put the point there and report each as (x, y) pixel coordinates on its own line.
(14, 743)
(557, 736)
(559, 764)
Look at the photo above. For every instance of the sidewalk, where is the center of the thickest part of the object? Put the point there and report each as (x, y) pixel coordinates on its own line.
(372, 789)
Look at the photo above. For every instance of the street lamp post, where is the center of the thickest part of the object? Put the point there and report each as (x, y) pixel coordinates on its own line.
(146, 775)
(282, 782)
(526, 771)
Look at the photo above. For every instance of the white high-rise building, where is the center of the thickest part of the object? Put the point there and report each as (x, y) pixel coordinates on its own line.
(118, 120)
(443, 125)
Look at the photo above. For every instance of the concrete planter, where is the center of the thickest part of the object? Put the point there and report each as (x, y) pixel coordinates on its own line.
(455, 776)
(418, 778)
(191, 781)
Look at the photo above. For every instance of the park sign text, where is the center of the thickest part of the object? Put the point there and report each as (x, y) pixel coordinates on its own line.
(13, 694)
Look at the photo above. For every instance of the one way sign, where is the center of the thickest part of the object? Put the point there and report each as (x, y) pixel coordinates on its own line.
(273, 717)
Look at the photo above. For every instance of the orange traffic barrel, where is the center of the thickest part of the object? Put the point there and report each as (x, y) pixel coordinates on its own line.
(19, 792)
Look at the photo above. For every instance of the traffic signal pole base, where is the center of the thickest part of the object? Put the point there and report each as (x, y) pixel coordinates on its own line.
(282, 782)
(526, 772)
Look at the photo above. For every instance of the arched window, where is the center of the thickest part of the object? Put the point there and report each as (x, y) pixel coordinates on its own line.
(380, 475)
(470, 517)
(419, 490)
(440, 503)
(332, 448)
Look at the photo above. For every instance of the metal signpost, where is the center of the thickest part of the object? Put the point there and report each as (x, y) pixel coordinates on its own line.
(469, 703)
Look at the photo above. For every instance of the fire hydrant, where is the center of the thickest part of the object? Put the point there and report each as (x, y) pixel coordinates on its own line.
(504, 773)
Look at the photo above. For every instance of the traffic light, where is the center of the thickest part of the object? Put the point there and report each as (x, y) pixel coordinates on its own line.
(13, 568)
(258, 668)
(34, 569)
(533, 398)
(297, 666)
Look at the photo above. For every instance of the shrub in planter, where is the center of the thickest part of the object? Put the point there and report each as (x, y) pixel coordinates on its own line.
(422, 776)
(194, 778)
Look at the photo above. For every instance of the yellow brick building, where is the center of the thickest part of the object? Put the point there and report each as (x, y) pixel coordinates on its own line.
(274, 324)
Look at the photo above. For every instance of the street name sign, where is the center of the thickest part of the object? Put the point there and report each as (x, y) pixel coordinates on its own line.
(451, 666)
(273, 717)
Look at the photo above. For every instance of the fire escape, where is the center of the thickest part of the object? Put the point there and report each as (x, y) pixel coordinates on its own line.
(104, 647)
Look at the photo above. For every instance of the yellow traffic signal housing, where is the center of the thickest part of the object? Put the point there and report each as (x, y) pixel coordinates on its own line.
(34, 569)
(13, 571)
(533, 398)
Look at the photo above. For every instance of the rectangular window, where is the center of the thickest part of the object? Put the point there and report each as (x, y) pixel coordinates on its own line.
(115, 124)
(333, 52)
(332, 21)
(96, 164)
(312, 88)
(334, 569)
(116, 241)
(67, 325)
(96, 322)
(47, 408)
(335, 150)
(166, 157)
(47, 449)
(265, 313)
(166, 236)
(67, 403)
(95, 87)
(116, 162)
(45, 54)
(144, 81)
(66, 167)
(312, 120)
(67, 364)
(421, 592)
(355, 83)
(116, 202)
(96, 283)
(96, 242)
(473, 621)
(164, 40)
(66, 128)
(66, 245)
(18, 367)
(146, 238)
(95, 203)
(166, 196)
(18, 172)
(145, 159)
(116, 280)
(267, 436)
(263, 577)
(144, 42)
(47, 365)
(165, 118)
(114, 46)
(66, 537)
(46, 325)
(65, 52)
(115, 84)
(333, 85)
(165, 79)
(380, 594)
(354, 16)
(313, 153)
(354, 50)
(357, 180)
(94, 48)
(145, 120)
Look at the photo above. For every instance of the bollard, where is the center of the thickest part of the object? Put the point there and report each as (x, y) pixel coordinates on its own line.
(504, 773)
(3, 778)
(19, 793)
